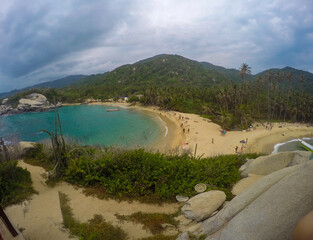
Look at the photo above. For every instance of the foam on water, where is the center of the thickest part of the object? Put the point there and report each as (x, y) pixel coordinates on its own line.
(166, 128)
(291, 145)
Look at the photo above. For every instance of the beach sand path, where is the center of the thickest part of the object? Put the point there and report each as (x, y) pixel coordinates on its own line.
(41, 217)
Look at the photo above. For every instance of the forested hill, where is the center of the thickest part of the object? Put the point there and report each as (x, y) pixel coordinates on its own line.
(162, 71)
(233, 74)
(223, 95)
(290, 77)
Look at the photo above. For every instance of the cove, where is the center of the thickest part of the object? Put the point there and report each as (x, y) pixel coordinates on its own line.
(87, 125)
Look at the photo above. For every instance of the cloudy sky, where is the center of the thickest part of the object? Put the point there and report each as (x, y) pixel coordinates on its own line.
(43, 40)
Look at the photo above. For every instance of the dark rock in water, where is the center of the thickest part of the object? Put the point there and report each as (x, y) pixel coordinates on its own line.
(34, 102)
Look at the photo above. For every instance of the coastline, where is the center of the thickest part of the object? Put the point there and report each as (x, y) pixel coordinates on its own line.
(202, 132)
(173, 139)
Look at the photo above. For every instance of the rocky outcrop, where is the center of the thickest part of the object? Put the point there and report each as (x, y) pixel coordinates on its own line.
(270, 209)
(245, 183)
(5, 109)
(202, 206)
(183, 236)
(265, 165)
(34, 102)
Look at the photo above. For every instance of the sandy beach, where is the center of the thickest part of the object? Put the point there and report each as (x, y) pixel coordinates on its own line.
(190, 131)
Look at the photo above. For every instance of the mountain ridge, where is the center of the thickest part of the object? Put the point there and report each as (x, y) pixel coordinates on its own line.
(58, 83)
(166, 70)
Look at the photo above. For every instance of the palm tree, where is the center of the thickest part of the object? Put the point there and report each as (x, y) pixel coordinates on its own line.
(244, 70)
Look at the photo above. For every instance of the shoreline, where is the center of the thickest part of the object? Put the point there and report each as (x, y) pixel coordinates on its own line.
(190, 133)
(172, 140)
(202, 131)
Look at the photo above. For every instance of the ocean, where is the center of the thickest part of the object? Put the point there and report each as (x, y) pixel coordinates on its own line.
(292, 145)
(87, 125)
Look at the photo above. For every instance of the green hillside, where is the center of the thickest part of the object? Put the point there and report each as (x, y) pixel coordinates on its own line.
(176, 83)
(289, 77)
(161, 70)
(232, 74)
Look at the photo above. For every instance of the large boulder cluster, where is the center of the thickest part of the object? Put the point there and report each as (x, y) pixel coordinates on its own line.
(34, 102)
(270, 208)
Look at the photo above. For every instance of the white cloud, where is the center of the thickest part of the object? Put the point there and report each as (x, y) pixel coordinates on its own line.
(53, 38)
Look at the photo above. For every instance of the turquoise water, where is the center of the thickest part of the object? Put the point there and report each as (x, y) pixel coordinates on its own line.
(88, 125)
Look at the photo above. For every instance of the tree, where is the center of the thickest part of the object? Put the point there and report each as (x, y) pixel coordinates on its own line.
(244, 70)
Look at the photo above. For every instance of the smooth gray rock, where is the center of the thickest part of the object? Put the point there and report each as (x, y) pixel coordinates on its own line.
(203, 205)
(4, 109)
(243, 200)
(270, 210)
(300, 157)
(195, 229)
(265, 165)
(34, 102)
(246, 165)
(183, 236)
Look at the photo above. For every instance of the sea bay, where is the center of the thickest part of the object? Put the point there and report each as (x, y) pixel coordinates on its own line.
(87, 125)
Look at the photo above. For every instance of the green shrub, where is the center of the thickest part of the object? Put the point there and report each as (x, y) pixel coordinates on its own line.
(136, 173)
(15, 183)
(148, 176)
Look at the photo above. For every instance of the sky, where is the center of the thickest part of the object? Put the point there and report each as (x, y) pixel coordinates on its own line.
(43, 40)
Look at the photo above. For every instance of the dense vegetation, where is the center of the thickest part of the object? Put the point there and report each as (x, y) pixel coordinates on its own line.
(176, 83)
(148, 176)
(15, 183)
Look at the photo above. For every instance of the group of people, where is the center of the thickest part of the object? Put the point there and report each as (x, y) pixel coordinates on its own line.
(269, 126)
(244, 144)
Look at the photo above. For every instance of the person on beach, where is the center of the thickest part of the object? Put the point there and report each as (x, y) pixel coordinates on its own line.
(236, 148)
(212, 140)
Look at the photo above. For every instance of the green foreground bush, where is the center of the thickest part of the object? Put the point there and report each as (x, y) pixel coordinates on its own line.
(15, 183)
(145, 175)
(137, 173)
